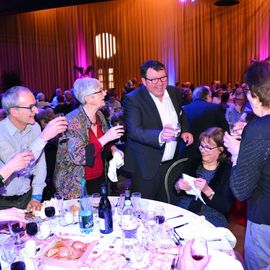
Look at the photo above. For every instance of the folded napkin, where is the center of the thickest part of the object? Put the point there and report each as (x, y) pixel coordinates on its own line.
(219, 238)
(194, 191)
(115, 163)
(223, 261)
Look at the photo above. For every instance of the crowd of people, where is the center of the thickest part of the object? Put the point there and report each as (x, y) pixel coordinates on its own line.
(222, 130)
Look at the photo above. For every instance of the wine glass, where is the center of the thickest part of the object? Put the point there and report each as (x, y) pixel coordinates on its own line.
(118, 120)
(18, 265)
(160, 214)
(49, 211)
(31, 228)
(177, 129)
(95, 199)
(15, 230)
(9, 250)
(27, 171)
(63, 136)
(199, 249)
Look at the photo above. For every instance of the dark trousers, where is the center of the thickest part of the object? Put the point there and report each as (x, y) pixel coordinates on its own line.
(154, 188)
(94, 186)
(15, 201)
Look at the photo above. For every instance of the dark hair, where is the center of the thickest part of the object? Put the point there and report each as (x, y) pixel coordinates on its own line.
(156, 65)
(257, 77)
(216, 134)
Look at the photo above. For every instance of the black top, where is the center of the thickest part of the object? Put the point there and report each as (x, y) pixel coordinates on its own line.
(250, 177)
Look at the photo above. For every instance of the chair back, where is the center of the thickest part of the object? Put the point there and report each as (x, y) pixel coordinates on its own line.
(174, 172)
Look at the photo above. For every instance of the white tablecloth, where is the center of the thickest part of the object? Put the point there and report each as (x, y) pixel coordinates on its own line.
(197, 227)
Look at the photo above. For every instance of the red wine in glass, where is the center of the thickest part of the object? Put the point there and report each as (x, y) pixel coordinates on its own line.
(31, 228)
(19, 265)
(49, 211)
(15, 229)
(197, 257)
(160, 219)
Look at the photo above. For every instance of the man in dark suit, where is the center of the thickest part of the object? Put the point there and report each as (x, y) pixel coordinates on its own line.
(203, 114)
(152, 112)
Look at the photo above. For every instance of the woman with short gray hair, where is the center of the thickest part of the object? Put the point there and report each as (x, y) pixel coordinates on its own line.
(82, 156)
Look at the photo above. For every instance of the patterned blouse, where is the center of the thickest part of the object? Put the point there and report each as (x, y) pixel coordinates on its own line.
(75, 154)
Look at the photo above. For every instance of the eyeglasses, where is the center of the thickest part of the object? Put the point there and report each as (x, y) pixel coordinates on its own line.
(98, 92)
(32, 107)
(156, 80)
(207, 148)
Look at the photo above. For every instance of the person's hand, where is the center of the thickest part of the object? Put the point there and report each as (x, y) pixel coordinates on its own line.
(13, 214)
(167, 133)
(232, 145)
(54, 127)
(186, 261)
(181, 184)
(112, 134)
(34, 205)
(201, 184)
(21, 160)
(187, 138)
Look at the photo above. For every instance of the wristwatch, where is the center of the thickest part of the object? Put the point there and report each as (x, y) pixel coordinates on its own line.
(2, 183)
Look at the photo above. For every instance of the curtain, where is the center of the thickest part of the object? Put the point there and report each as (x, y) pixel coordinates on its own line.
(197, 42)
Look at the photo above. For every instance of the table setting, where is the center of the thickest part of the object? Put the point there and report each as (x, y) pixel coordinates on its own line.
(56, 241)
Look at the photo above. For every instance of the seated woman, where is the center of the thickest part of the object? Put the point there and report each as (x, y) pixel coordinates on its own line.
(212, 175)
(83, 154)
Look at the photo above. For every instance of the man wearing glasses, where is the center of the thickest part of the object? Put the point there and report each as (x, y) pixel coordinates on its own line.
(153, 112)
(19, 132)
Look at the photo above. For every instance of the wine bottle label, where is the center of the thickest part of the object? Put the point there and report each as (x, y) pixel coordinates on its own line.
(102, 225)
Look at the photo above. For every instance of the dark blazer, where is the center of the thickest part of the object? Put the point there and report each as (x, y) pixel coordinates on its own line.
(250, 178)
(223, 198)
(143, 124)
(202, 115)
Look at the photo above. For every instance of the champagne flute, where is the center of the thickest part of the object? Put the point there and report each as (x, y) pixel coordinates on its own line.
(63, 136)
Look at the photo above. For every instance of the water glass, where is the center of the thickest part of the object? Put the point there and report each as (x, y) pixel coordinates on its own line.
(138, 250)
(120, 203)
(44, 229)
(60, 202)
(165, 238)
(95, 199)
(136, 199)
